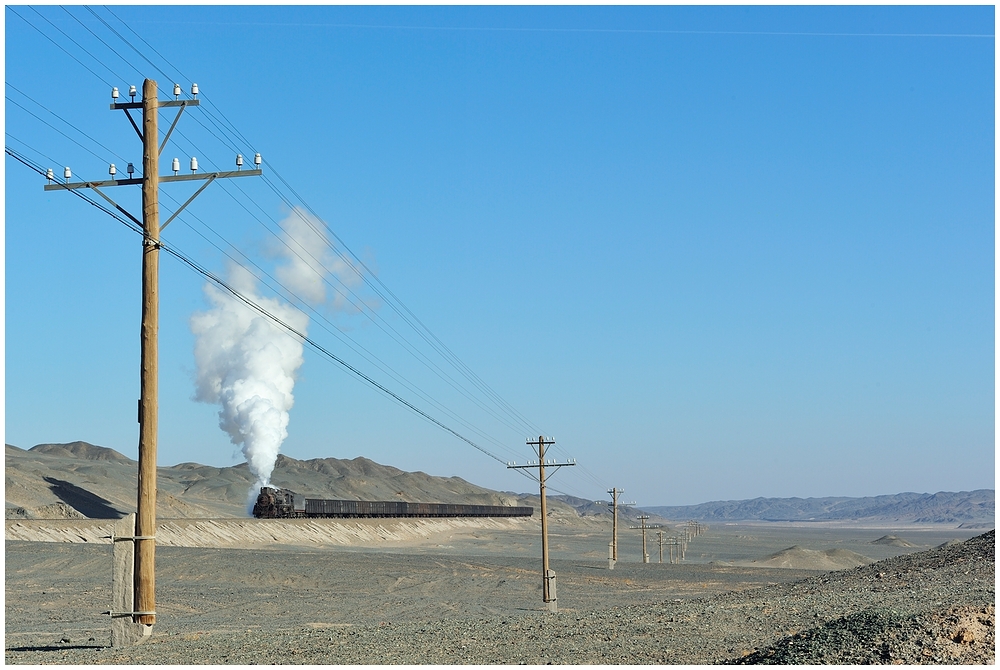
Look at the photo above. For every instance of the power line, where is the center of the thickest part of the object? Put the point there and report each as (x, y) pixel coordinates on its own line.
(224, 130)
(435, 344)
(101, 40)
(263, 312)
(51, 160)
(103, 146)
(354, 299)
(411, 387)
(89, 9)
(15, 103)
(462, 368)
(59, 46)
(330, 328)
(639, 31)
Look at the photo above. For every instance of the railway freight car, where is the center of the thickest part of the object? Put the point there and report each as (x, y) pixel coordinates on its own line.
(275, 503)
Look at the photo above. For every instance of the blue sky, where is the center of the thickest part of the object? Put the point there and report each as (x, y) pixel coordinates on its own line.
(718, 253)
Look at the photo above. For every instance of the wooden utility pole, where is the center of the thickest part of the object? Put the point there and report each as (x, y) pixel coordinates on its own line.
(548, 576)
(145, 519)
(615, 492)
(659, 534)
(642, 519)
(676, 547)
(144, 573)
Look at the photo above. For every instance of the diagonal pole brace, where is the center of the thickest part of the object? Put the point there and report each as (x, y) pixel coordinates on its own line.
(172, 126)
(116, 205)
(132, 121)
(196, 194)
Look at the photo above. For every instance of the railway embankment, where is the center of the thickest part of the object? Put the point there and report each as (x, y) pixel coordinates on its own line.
(263, 533)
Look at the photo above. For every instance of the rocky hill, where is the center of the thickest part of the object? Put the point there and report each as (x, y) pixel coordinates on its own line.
(79, 479)
(84, 480)
(971, 509)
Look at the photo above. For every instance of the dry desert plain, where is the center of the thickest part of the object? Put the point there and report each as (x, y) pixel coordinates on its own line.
(469, 591)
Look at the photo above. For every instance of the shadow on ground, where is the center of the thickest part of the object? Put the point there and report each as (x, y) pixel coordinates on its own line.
(83, 501)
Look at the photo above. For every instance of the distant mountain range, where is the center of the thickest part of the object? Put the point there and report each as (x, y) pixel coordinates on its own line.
(968, 508)
(79, 479)
(84, 480)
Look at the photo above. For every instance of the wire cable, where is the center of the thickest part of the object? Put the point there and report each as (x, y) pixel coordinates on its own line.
(436, 343)
(59, 46)
(15, 103)
(89, 9)
(305, 339)
(466, 371)
(225, 131)
(101, 40)
(98, 143)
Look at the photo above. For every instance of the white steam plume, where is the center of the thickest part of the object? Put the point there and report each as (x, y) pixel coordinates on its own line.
(245, 363)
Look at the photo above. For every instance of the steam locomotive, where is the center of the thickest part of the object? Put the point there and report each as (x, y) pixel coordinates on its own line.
(275, 503)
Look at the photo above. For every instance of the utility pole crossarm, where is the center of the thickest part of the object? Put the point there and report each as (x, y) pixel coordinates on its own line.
(549, 464)
(161, 103)
(69, 186)
(130, 182)
(212, 175)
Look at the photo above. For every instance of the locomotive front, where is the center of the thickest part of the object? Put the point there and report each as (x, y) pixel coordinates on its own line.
(275, 503)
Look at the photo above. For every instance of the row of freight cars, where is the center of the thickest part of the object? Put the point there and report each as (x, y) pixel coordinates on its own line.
(275, 503)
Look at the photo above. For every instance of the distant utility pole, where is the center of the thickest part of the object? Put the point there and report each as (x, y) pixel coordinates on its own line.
(615, 492)
(673, 547)
(548, 576)
(659, 535)
(144, 584)
(642, 519)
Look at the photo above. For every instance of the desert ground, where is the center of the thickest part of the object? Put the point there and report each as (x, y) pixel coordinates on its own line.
(469, 591)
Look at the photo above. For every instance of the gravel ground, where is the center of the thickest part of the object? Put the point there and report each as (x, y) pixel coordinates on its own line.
(927, 607)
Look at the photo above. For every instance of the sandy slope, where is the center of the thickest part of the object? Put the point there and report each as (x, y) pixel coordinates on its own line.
(811, 559)
(267, 533)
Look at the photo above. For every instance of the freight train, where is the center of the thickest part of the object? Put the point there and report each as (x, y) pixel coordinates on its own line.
(275, 503)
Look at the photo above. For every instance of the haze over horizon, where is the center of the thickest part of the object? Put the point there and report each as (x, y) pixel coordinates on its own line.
(719, 253)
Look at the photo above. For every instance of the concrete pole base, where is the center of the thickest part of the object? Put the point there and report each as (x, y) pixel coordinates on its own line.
(552, 603)
(124, 631)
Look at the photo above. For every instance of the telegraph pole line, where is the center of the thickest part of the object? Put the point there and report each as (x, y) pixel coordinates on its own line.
(548, 576)
(144, 576)
(615, 492)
